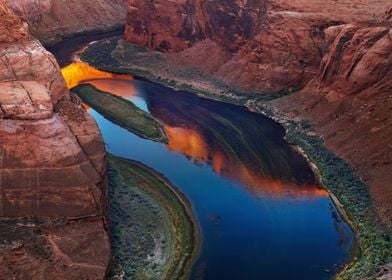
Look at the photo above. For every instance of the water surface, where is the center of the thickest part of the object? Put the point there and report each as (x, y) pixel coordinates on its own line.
(260, 210)
(262, 214)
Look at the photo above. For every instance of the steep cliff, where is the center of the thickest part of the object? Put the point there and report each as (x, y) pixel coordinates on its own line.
(52, 168)
(177, 25)
(52, 20)
(262, 45)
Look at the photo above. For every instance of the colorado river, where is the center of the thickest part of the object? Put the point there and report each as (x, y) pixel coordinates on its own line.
(261, 212)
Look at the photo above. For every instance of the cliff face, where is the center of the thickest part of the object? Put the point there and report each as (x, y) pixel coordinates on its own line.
(52, 168)
(262, 45)
(177, 25)
(52, 20)
(339, 52)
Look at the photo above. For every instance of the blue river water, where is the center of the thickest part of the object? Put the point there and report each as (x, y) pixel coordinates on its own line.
(261, 212)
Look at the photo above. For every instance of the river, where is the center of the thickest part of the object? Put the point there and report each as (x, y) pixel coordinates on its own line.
(260, 209)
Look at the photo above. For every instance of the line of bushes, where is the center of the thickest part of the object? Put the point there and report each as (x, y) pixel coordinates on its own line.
(341, 179)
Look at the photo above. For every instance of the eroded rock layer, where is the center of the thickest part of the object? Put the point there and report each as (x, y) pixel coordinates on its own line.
(52, 20)
(52, 168)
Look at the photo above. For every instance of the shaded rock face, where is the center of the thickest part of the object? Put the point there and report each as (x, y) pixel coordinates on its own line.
(52, 20)
(267, 45)
(177, 25)
(52, 168)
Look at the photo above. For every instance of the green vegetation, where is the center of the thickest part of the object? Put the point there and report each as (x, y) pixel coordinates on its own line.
(122, 112)
(100, 53)
(124, 58)
(154, 233)
(375, 242)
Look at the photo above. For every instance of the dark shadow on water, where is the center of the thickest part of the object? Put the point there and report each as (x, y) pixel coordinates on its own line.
(239, 144)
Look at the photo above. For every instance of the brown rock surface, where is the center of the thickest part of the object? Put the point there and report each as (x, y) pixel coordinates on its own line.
(12, 28)
(75, 250)
(52, 20)
(350, 104)
(270, 44)
(52, 168)
(177, 25)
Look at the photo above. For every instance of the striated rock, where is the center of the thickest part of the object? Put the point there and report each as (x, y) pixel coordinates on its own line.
(52, 168)
(52, 20)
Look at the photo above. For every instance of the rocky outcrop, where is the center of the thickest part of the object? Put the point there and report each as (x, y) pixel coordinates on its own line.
(52, 168)
(52, 20)
(350, 104)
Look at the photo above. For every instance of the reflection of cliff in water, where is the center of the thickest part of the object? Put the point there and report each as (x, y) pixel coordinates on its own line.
(78, 73)
(240, 145)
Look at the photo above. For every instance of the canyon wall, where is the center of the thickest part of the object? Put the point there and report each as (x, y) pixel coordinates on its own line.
(337, 52)
(52, 20)
(262, 45)
(52, 168)
(177, 25)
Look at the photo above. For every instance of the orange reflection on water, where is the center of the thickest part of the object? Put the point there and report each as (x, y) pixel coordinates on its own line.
(263, 185)
(78, 72)
(188, 142)
(191, 143)
(218, 161)
(118, 87)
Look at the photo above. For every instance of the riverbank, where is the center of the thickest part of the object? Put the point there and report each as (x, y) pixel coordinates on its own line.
(160, 68)
(122, 112)
(351, 198)
(154, 231)
(65, 49)
(338, 177)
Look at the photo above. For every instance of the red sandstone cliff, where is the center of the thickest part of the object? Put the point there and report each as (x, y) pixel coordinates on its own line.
(52, 20)
(262, 45)
(52, 168)
(339, 52)
(177, 25)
